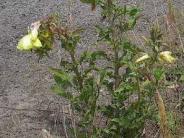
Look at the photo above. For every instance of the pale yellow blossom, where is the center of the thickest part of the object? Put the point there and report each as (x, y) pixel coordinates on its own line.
(30, 41)
(166, 56)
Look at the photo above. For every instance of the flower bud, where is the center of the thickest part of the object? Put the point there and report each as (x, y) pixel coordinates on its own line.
(34, 34)
(144, 57)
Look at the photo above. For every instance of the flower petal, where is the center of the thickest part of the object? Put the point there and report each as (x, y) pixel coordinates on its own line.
(37, 43)
(166, 53)
(25, 43)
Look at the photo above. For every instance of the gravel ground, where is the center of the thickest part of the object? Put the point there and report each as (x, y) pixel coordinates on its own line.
(24, 83)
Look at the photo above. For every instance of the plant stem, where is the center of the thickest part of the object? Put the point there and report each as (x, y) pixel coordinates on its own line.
(139, 90)
(170, 9)
(163, 117)
(116, 67)
(76, 70)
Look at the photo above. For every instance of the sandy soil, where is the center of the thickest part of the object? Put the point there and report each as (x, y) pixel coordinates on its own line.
(24, 83)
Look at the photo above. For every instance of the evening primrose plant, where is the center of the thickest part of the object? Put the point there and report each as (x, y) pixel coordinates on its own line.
(131, 77)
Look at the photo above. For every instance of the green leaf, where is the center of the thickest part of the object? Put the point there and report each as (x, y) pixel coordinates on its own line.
(103, 74)
(107, 110)
(132, 22)
(104, 33)
(116, 120)
(107, 131)
(134, 11)
(67, 65)
(58, 90)
(113, 128)
(98, 55)
(181, 78)
(61, 74)
(128, 46)
(158, 73)
(85, 57)
(88, 1)
(124, 91)
(62, 83)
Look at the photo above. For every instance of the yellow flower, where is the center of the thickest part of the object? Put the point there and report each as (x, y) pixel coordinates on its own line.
(30, 41)
(144, 57)
(166, 56)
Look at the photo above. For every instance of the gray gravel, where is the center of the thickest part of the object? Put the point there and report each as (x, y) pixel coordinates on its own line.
(24, 83)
